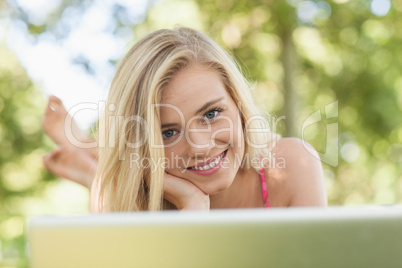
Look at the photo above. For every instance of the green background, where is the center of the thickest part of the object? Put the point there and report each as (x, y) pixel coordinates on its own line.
(344, 57)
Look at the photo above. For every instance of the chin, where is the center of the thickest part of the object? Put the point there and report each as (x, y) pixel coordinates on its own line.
(220, 184)
(216, 189)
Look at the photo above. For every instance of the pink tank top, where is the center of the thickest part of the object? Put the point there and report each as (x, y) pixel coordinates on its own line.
(264, 188)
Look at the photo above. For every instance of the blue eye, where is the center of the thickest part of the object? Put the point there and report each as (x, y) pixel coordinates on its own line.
(211, 114)
(168, 133)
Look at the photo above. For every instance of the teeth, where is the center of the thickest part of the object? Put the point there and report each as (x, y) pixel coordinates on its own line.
(210, 165)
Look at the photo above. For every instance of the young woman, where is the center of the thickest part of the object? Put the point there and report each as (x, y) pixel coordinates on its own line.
(181, 131)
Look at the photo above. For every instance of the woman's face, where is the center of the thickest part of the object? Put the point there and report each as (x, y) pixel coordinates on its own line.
(201, 129)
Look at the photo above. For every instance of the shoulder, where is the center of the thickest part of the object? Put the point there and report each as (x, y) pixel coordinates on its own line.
(295, 175)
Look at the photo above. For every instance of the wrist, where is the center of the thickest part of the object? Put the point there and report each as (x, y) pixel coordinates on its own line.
(199, 203)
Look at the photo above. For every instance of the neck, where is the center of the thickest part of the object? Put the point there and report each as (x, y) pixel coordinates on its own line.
(245, 192)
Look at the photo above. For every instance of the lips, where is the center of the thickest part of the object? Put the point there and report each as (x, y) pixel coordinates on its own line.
(209, 167)
(210, 163)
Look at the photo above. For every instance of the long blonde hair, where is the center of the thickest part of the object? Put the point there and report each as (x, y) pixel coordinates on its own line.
(136, 88)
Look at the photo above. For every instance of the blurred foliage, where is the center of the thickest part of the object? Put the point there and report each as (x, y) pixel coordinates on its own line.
(21, 149)
(302, 55)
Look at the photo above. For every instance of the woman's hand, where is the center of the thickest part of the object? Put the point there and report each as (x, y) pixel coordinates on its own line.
(184, 194)
(180, 192)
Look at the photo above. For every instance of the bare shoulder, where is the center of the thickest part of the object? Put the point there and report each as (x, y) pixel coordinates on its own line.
(295, 176)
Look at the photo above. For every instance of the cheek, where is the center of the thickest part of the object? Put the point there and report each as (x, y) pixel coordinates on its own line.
(175, 156)
(170, 156)
(228, 132)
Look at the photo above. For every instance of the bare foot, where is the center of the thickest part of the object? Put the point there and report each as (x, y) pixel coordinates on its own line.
(73, 164)
(62, 129)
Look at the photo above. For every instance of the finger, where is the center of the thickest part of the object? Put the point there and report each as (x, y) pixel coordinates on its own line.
(177, 185)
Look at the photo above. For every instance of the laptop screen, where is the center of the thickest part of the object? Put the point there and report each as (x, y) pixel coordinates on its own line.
(294, 237)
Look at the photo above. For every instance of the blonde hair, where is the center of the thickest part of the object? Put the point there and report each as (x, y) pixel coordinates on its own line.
(136, 88)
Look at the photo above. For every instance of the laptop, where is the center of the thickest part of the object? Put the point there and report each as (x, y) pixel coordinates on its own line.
(292, 237)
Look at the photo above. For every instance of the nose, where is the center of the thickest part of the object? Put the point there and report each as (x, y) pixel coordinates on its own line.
(199, 142)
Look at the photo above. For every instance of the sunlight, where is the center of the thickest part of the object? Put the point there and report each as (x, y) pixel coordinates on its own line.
(380, 8)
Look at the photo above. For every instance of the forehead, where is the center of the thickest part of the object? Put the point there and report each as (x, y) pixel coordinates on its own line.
(191, 88)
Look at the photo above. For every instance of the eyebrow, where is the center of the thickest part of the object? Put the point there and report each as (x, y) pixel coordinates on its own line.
(207, 105)
(202, 109)
(168, 125)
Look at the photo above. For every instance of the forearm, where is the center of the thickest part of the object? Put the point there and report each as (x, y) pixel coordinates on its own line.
(195, 203)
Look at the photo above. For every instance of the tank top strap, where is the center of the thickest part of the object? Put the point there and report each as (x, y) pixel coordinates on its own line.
(264, 187)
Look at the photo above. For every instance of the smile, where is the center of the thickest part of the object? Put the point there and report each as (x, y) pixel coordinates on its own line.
(211, 167)
(212, 164)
